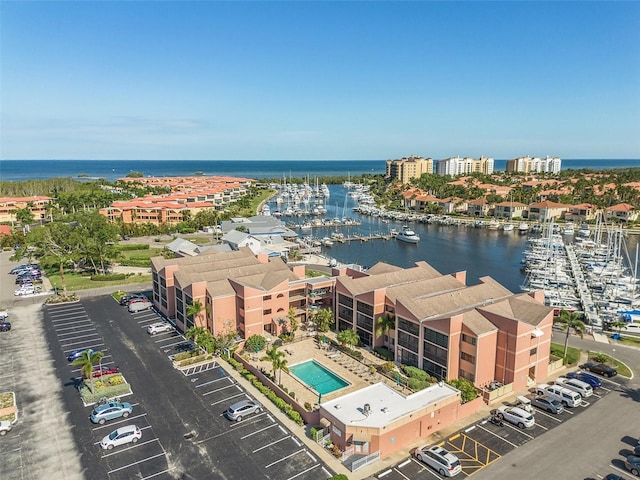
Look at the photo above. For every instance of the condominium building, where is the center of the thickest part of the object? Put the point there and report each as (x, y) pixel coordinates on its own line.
(461, 166)
(405, 168)
(238, 290)
(534, 165)
(37, 205)
(481, 332)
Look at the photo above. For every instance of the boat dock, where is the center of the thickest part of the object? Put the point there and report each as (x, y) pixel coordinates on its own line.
(582, 288)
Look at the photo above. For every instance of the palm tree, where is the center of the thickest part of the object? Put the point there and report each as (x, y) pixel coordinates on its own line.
(201, 337)
(385, 323)
(194, 310)
(570, 321)
(619, 325)
(348, 337)
(293, 320)
(323, 319)
(86, 361)
(278, 362)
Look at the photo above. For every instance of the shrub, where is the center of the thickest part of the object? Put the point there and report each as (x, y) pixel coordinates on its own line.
(133, 246)
(416, 384)
(415, 372)
(468, 391)
(388, 367)
(292, 394)
(308, 407)
(340, 476)
(599, 357)
(108, 277)
(295, 416)
(255, 343)
(384, 352)
(116, 380)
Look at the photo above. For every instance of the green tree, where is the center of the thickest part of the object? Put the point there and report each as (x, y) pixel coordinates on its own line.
(255, 343)
(86, 361)
(323, 319)
(195, 310)
(24, 216)
(292, 318)
(385, 323)
(278, 362)
(201, 337)
(348, 337)
(569, 321)
(468, 391)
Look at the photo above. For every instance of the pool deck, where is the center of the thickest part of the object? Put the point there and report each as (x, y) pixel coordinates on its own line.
(357, 373)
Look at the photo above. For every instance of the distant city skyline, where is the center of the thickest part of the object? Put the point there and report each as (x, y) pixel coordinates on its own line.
(319, 80)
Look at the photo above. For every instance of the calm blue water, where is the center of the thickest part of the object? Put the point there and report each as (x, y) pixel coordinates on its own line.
(317, 377)
(14, 170)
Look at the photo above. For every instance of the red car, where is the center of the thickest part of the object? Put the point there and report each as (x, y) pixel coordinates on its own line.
(98, 372)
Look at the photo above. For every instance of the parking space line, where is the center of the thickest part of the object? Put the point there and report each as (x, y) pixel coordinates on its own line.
(258, 431)
(548, 415)
(271, 444)
(517, 429)
(626, 472)
(55, 327)
(214, 381)
(95, 334)
(174, 344)
(108, 425)
(284, 458)
(135, 463)
(90, 345)
(497, 436)
(229, 398)
(58, 330)
(403, 475)
(156, 474)
(77, 318)
(218, 390)
(78, 313)
(304, 471)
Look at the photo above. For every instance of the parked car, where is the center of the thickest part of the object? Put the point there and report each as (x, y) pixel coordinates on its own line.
(27, 289)
(578, 386)
(613, 476)
(632, 463)
(159, 327)
(636, 450)
(109, 411)
(100, 371)
(78, 353)
(600, 369)
(5, 427)
(125, 299)
(569, 398)
(241, 409)
(4, 314)
(440, 459)
(5, 326)
(121, 436)
(140, 306)
(516, 416)
(548, 404)
(585, 377)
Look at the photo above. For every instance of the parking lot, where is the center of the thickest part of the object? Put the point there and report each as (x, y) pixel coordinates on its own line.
(180, 413)
(482, 444)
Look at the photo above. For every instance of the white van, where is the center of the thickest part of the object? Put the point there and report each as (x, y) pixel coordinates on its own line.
(140, 306)
(569, 398)
(578, 386)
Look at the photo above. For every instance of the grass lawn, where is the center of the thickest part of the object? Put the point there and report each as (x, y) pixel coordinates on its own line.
(604, 358)
(573, 354)
(633, 341)
(77, 281)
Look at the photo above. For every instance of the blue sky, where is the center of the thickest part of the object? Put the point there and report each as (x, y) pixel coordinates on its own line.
(319, 80)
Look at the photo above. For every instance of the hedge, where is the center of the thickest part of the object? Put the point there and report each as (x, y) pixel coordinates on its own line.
(108, 278)
(415, 372)
(133, 246)
(135, 262)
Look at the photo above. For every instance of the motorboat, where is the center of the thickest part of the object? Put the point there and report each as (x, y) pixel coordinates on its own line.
(507, 227)
(523, 227)
(407, 235)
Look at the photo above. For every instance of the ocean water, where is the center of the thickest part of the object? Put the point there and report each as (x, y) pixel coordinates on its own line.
(19, 170)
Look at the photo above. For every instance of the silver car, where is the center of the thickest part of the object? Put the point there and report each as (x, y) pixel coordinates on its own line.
(159, 327)
(241, 409)
(547, 404)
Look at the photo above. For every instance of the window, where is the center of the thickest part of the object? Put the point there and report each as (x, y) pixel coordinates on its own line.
(364, 322)
(436, 337)
(435, 353)
(408, 341)
(469, 339)
(267, 311)
(409, 327)
(365, 308)
(468, 375)
(267, 297)
(407, 357)
(344, 300)
(434, 369)
(467, 358)
(533, 351)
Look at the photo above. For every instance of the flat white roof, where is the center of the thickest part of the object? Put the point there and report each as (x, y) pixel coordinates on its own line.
(386, 404)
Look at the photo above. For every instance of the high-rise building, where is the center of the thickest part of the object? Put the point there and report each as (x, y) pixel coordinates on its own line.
(405, 168)
(462, 166)
(534, 165)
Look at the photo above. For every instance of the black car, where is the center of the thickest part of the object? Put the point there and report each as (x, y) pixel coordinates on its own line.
(5, 326)
(600, 369)
(632, 463)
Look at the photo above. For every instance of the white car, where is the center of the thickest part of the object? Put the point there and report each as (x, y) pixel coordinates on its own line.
(159, 328)
(516, 416)
(5, 427)
(121, 436)
(140, 306)
(25, 290)
(440, 459)
(4, 314)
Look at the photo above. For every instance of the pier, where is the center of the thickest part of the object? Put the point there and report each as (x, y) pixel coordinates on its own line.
(582, 288)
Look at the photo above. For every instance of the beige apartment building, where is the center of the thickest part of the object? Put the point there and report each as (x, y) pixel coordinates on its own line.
(405, 168)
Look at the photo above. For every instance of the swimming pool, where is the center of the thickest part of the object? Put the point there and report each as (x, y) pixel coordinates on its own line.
(320, 379)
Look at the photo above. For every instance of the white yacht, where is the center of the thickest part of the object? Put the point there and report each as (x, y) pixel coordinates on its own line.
(407, 235)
